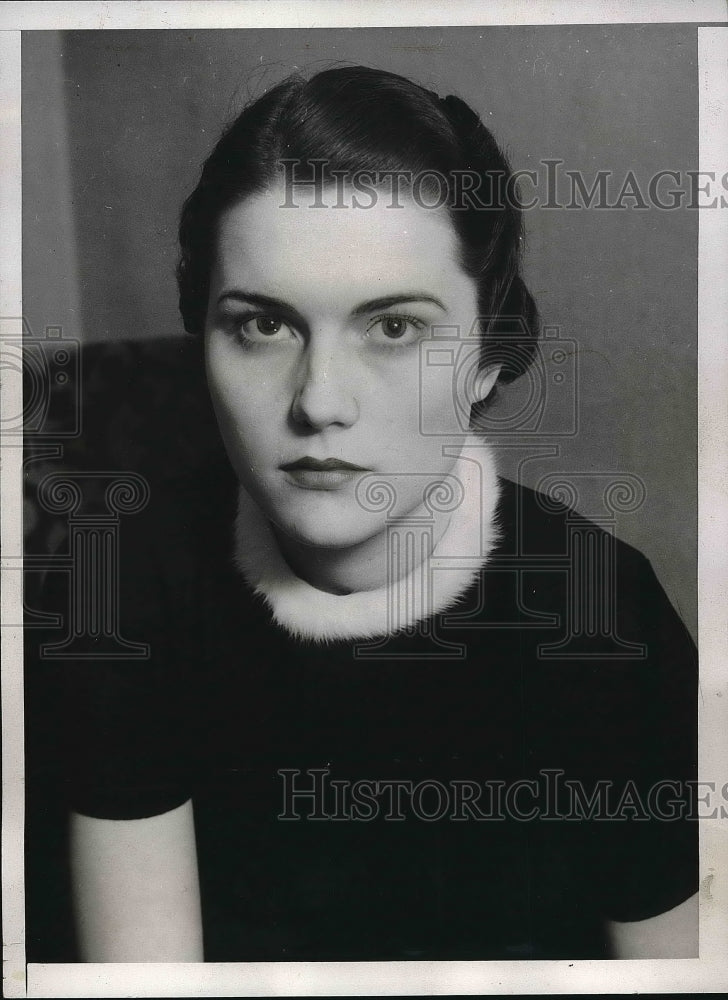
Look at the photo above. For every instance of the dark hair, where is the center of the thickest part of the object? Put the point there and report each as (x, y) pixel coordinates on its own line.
(359, 119)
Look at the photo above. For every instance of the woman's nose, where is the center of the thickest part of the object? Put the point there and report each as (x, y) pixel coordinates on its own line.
(324, 395)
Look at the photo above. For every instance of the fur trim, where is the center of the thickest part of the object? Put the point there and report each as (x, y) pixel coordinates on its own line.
(432, 587)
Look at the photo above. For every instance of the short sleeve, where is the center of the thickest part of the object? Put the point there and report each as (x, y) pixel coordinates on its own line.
(646, 850)
(116, 712)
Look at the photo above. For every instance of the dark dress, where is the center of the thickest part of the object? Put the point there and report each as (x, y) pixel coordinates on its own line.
(486, 788)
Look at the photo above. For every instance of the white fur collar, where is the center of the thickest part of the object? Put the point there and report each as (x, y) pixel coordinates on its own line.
(470, 490)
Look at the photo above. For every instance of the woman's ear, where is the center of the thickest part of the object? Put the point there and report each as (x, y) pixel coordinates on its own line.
(482, 384)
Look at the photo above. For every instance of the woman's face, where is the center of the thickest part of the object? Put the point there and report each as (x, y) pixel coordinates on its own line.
(316, 326)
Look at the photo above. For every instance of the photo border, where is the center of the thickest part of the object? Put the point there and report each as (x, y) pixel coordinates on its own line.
(708, 973)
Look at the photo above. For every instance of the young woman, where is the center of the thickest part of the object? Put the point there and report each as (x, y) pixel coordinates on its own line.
(363, 731)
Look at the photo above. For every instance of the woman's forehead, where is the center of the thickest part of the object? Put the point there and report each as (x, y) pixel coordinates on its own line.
(309, 247)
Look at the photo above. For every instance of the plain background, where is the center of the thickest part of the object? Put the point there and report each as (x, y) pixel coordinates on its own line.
(116, 125)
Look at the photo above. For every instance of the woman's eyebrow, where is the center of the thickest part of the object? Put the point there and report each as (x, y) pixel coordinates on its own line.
(393, 300)
(254, 299)
(370, 306)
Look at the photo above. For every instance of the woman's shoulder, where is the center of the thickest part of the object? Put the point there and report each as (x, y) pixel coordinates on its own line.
(533, 522)
(583, 571)
(546, 536)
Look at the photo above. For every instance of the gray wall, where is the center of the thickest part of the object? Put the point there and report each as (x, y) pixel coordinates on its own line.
(117, 124)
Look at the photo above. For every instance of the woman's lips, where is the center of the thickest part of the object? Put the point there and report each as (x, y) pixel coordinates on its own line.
(322, 474)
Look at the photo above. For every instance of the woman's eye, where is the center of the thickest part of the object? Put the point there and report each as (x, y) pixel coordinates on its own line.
(395, 329)
(268, 325)
(262, 328)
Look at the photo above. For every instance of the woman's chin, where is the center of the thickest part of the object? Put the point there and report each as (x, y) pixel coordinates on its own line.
(325, 530)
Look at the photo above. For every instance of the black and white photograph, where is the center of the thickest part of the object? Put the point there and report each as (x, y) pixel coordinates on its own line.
(364, 544)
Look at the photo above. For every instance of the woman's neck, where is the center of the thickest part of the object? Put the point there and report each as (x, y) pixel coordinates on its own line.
(370, 565)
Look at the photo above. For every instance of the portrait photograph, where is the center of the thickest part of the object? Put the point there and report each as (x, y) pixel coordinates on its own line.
(364, 498)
